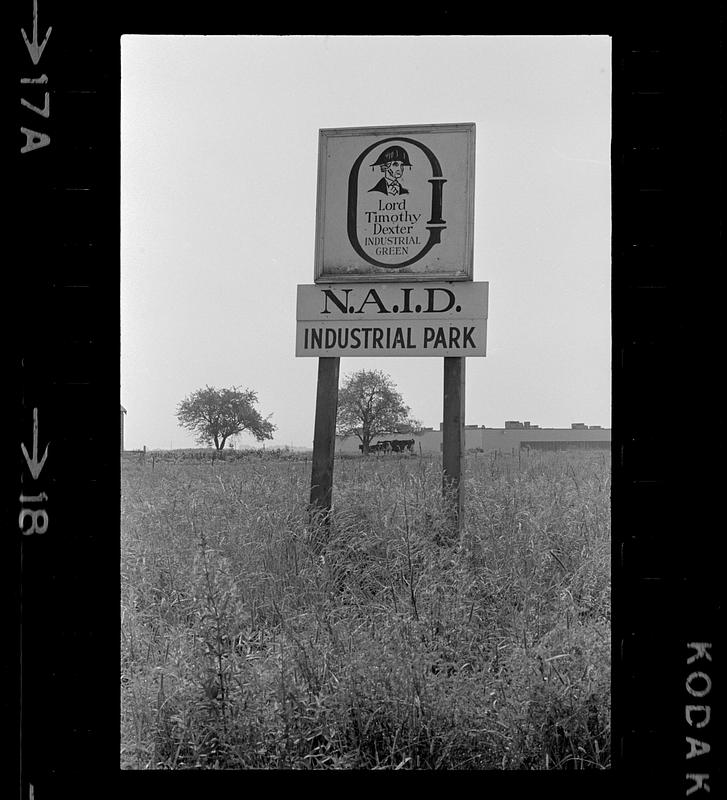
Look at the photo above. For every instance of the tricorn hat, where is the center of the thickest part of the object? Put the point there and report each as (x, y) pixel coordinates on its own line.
(394, 153)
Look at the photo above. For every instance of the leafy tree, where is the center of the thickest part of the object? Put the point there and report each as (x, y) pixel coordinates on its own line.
(369, 405)
(216, 414)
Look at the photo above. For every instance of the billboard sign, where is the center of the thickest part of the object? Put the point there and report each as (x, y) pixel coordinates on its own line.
(395, 203)
(386, 319)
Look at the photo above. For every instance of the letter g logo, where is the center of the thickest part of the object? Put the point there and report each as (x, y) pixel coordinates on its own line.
(435, 224)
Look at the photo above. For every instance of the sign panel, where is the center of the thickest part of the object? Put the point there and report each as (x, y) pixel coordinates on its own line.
(403, 319)
(395, 203)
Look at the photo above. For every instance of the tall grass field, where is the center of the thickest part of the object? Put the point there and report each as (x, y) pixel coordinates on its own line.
(251, 638)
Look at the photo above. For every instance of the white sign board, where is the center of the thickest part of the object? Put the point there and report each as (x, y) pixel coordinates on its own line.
(395, 203)
(403, 319)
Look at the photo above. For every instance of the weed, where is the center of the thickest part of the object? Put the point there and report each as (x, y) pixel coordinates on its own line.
(250, 641)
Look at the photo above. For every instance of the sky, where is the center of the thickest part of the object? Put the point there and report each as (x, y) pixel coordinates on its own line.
(219, 151)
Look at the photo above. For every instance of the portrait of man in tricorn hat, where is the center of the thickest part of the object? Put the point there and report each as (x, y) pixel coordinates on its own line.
(391, 162)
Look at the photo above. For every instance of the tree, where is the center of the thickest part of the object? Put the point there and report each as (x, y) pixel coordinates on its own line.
(216, 414)
(369, 405)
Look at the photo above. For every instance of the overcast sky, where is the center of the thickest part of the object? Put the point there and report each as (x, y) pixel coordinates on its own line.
(219, 140)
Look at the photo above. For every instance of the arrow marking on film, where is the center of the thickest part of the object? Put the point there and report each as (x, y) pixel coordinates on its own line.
(35, 50)
(34, 465)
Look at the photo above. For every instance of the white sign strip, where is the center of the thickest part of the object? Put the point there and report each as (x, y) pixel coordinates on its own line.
(417, 337)
(393, 301)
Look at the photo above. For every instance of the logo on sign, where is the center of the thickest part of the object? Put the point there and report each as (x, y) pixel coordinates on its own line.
(398, 220)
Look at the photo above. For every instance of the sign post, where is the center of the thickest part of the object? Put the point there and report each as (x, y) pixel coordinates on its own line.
(453, 444)
(324, 438)
(393, 274)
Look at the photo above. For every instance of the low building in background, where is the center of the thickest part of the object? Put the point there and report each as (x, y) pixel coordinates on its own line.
(512, 437)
